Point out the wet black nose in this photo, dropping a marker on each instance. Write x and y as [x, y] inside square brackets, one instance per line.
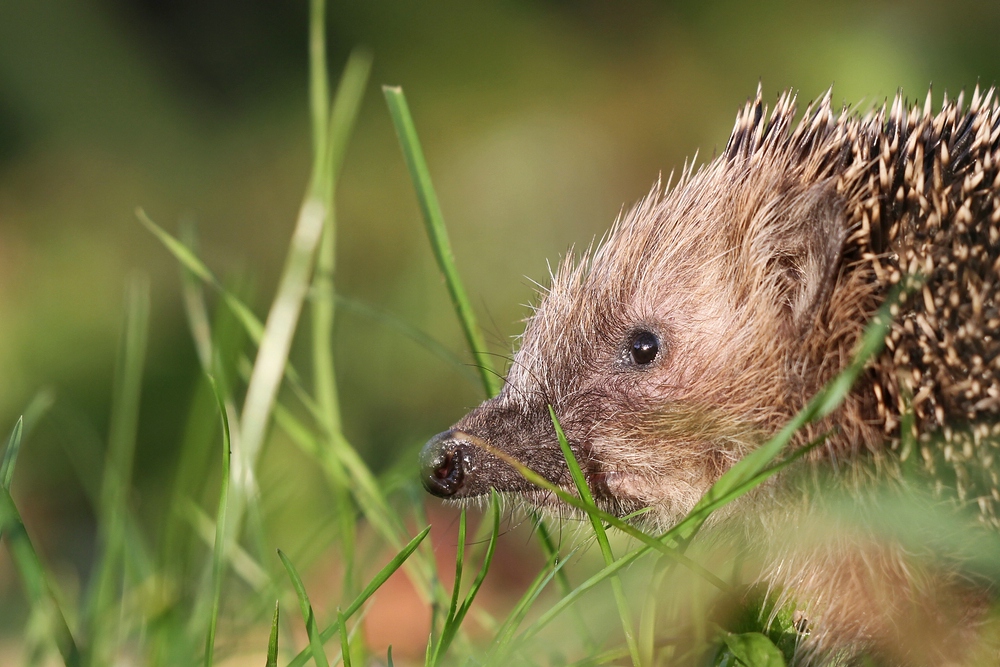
[444, 464]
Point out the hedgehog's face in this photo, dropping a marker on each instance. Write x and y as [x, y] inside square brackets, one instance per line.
[652, 362]
[622, 385]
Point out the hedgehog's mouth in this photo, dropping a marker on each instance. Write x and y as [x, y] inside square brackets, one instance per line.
[458, 466]
[604, 487]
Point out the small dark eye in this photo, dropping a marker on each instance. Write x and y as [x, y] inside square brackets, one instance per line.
[644, 347]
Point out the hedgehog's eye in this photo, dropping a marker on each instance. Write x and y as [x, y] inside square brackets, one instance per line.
[644, 347]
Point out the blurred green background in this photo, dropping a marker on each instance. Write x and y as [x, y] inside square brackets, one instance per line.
[540, 120]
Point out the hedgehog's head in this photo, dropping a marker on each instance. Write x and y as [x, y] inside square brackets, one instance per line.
[667, 352]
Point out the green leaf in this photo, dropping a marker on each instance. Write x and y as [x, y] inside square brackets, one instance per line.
[752, 649]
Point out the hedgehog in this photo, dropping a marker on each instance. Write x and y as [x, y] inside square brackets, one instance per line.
[712, 312]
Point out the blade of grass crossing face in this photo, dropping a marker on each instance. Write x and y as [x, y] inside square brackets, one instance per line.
[369, 590]
[218, 552]
[272, 642]
[574, 501]
[738, 480]
[583, 489]
[315, 642]
[438, 233]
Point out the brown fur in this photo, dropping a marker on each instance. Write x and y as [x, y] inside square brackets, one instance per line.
[759, 272]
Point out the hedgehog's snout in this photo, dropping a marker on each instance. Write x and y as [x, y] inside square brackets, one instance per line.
[445, 464]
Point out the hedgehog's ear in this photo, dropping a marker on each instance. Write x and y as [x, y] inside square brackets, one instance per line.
[808, 251]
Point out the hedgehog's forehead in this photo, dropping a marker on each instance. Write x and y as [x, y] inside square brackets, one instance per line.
[669, 239]
[669, 251]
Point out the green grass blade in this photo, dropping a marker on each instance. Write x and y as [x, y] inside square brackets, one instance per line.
[345, 645]
[366, 489]
[193, 263]
[332, 147]
[659, 544]
[438, 234]
[503, 635]
[441, 642]
[346, 105]
[459, 564]
[244, 565]
[551, 551]
[568, 600]
[407, 330]
[37, 583]
[457, 613]
[10, 454]
[342, 459]
[194, 305]
[218, 552]
[272, 354]
[590, 508]
[369, 590]
[341, 123]
[319, 91]
[487, 559]
[272, 642]
[117, 477]
[480, 577]
[745, 475]
[315, 642]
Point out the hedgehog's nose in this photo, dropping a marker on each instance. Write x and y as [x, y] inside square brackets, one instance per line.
[444, 464]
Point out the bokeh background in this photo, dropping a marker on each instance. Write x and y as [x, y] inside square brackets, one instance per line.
[540, 121]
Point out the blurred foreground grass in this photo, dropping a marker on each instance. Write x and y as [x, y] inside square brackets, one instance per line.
[197, 567]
